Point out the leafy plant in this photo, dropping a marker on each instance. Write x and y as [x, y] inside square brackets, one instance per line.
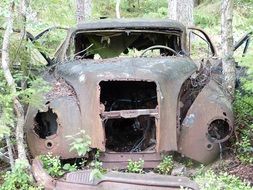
[19, 178]
[52, 165]
[97, 168]
[166, 166]
[69, 168]
[135, 166]
[81, 143]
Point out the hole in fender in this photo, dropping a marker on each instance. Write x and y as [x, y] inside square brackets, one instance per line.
[45, 124]
[219, 131]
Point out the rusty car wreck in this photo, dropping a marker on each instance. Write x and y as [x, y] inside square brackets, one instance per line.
[133, 87]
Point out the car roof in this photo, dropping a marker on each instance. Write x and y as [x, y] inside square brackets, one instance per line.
[104, 24]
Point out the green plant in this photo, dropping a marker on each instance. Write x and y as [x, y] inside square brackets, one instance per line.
[243, 111]
[188, 162]
[166, 166]
[207, 14]
[52, 165]
[19, 178]
[208, 180]
[244, 146]
[135, 166]
[97, 168]
[69, 168]
[80, 143]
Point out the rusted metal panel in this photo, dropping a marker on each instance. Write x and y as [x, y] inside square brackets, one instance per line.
[132, 24]
[57, 144]
[129, 113]
[168, 73]
[111, 180]
[210, 105]
[120, 160]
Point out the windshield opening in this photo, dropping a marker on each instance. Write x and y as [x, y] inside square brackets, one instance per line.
[109, 44]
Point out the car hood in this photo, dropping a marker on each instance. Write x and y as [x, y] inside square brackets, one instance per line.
[170, 68]
[168, 73]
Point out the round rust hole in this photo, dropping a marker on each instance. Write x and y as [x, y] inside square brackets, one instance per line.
[209, 146]
[49, 144]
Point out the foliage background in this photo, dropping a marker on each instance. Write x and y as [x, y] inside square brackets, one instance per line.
[46, 13]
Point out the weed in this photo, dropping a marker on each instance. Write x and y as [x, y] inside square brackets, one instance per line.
[135, 166]
[81, 143]
[97, 168]
[166, 166]
[69, 168]
[52, 165]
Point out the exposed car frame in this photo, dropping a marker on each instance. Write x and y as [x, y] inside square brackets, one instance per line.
[185, 106]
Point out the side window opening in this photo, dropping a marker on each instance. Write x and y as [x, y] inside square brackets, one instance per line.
[200, 45]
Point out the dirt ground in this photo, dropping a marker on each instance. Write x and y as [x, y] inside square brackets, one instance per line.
[233, 166]
[242, 171]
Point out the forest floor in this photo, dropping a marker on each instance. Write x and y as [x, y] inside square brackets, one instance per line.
[230, 164]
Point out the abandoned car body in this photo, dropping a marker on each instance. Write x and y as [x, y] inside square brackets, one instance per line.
[132, 86]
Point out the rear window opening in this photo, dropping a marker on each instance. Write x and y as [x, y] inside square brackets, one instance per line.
[130, 135]
[127, 95]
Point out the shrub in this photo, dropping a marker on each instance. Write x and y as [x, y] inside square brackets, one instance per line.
[19, 178]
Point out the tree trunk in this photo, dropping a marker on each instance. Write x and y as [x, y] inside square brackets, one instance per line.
[23, 7]
[117, 8]
[10, 153]
[23, 34]
[5, 49]
[181, 10]
[20, 130]
[172, 9]
[228, 62]
[83, 10]
[8, 76]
